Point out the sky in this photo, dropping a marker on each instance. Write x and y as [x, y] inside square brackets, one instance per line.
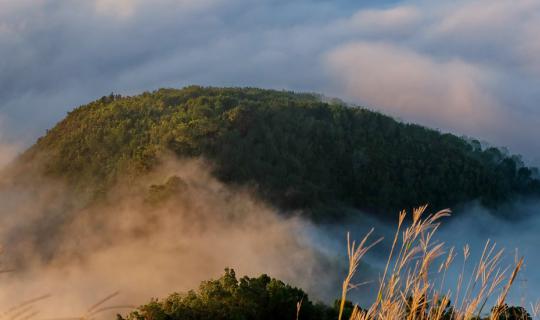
[469, 67]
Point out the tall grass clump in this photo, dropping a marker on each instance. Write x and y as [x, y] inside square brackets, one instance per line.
[412, 285]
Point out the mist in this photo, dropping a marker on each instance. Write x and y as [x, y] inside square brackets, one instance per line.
[76, 256]
[63, 256]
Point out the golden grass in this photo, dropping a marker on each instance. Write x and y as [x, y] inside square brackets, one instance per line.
[355, 256]
[24, 310]
[27, 310]
[408, 288]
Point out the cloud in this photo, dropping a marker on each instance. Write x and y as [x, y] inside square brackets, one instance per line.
[478, 60]
[67, 53]
[408, 84]
[394, 20]
[125, 9]
[80, 255]
[77, 256]
[469, 67]
[448, 94]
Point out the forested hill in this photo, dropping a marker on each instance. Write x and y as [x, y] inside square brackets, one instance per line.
[296, 150]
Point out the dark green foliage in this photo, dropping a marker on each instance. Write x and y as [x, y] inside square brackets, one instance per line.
[229, 298]
[347, 309]
[297, 151]
[512, 313]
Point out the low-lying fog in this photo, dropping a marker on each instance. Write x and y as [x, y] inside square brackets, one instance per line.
[61, 264]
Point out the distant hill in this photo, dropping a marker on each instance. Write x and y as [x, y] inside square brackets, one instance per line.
[296, 150]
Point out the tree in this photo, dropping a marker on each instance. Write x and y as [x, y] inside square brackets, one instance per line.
[229, 298]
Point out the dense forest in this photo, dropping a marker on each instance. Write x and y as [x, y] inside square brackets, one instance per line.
[298, 151]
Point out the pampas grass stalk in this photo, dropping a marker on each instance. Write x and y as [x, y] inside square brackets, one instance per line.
[355, 254]
[407, 288]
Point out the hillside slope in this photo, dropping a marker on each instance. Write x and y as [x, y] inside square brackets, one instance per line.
[297, 151]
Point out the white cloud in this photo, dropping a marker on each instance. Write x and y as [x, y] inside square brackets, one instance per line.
[449, 94]
[394, 19]
[128, 8]
[470, 67]
[477, 60]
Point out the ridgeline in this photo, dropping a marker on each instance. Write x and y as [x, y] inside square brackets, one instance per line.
[297, 150]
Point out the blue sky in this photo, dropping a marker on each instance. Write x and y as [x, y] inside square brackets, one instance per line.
[469, 67]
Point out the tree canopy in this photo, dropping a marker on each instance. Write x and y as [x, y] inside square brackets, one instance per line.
[297, 150]
[229, 298]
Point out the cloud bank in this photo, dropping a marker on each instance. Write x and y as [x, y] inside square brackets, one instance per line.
[469, 67]
[65, 258]
[77, 256]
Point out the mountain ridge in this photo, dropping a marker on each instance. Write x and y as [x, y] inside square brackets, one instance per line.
[296, 150]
